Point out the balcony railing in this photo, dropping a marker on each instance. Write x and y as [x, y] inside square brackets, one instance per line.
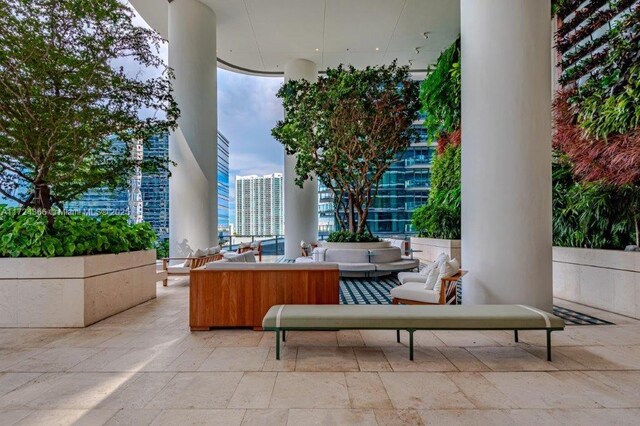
[417, 162]
[417, 184]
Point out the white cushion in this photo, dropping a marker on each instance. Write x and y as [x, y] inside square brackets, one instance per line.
[442, 257]
[318, 254]
[213, 250]
[244, 245]
[415, 291]
[199, 253]
[432, 279]
[449, 268]
[425, 271]
[405, 277]
[253, 245]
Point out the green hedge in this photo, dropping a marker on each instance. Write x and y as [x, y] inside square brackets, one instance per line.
[27, 235]
[352, 237]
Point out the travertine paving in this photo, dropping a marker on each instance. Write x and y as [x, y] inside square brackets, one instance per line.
[144, 366]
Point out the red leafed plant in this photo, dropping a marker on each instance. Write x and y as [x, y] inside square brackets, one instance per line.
[614, 160]
[454, 139]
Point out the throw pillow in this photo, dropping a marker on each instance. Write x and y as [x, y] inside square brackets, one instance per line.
[425, 271]
[432, 278]
[244, 245]
[442, 257]
[449, 268]
[199, 253]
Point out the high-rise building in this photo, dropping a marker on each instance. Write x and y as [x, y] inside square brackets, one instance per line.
[147, 197]
[259, 205]
[403, 188]
[223, 183]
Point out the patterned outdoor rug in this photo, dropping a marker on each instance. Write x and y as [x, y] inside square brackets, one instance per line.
[369, 291]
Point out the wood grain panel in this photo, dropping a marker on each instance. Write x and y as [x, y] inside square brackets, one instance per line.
[241, 298]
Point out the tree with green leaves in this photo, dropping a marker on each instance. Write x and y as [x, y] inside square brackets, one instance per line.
[70, 113]
[347, 129]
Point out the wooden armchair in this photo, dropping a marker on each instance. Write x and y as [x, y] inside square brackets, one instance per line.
[182, 269]
[448, 292]
[256, 250]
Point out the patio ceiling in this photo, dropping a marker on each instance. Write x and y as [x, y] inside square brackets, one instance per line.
[260, 36]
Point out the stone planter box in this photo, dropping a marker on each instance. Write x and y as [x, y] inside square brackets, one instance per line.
[355, 246]
[73, 291]
[430, 248]
[603, 279]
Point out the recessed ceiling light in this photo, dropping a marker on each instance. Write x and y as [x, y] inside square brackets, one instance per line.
[317, 50]
[377, 48]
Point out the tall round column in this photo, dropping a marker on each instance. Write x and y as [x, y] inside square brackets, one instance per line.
[193, 189]
[506, 152]
[300, 204]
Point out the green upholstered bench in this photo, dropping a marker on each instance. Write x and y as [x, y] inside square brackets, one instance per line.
[281, 318]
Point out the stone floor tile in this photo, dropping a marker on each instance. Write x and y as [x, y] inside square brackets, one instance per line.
[423, 391]
[312, 338]
[462, 359]
[604, 357]
[67, 417]
[310, 390]
[254, 390]
[84, 338]
[12, 381]
[100, 361]
[581, 417]
[500, 358]
[133, 417]
[326, 358]
[627, 382]
[482, 393]
[10, 357]
[268, 417]
[367, 391]
[533, 417]
[424, 359]
[466, 417]
[197, 390]
[190, 360]
[331, 417]
[609, 395]
[137, 391]
[350, 338]
[235, 359]
[539, 390]
[372, 359]
[398, 418]
[54, 359]
[199, 417]
[11, 417]
[287, 361]
[234, 338]
[465, 338]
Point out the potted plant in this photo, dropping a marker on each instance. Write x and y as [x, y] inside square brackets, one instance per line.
[70, 117]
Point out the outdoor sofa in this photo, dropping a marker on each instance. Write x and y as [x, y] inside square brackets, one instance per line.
[411, 318]
[363, 262]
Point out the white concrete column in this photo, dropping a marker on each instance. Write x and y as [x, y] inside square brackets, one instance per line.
[300, 204]
[506, 152]
[193, 188]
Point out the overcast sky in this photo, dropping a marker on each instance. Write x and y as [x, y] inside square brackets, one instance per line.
[247, 111]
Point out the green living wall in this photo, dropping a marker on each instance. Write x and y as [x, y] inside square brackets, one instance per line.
[596, 165]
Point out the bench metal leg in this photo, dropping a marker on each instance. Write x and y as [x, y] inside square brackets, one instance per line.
[410, 344]
[515, 335]
[548, 345]
[398, 336]
[284, 335]
[277, 344]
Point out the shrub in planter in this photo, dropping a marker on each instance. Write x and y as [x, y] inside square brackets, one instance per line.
[352, 237]
[28, 235]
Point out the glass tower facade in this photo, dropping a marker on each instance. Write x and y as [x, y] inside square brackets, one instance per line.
[223, 183]
[403, 188]
[147, 197]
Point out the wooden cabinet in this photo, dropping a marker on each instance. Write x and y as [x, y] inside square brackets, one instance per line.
[240, 298]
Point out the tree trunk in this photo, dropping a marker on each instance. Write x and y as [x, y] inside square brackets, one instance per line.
[42, 201]
[635, 222]
[351, 215]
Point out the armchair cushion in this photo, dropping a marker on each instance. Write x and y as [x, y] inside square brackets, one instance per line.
[415, 291]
